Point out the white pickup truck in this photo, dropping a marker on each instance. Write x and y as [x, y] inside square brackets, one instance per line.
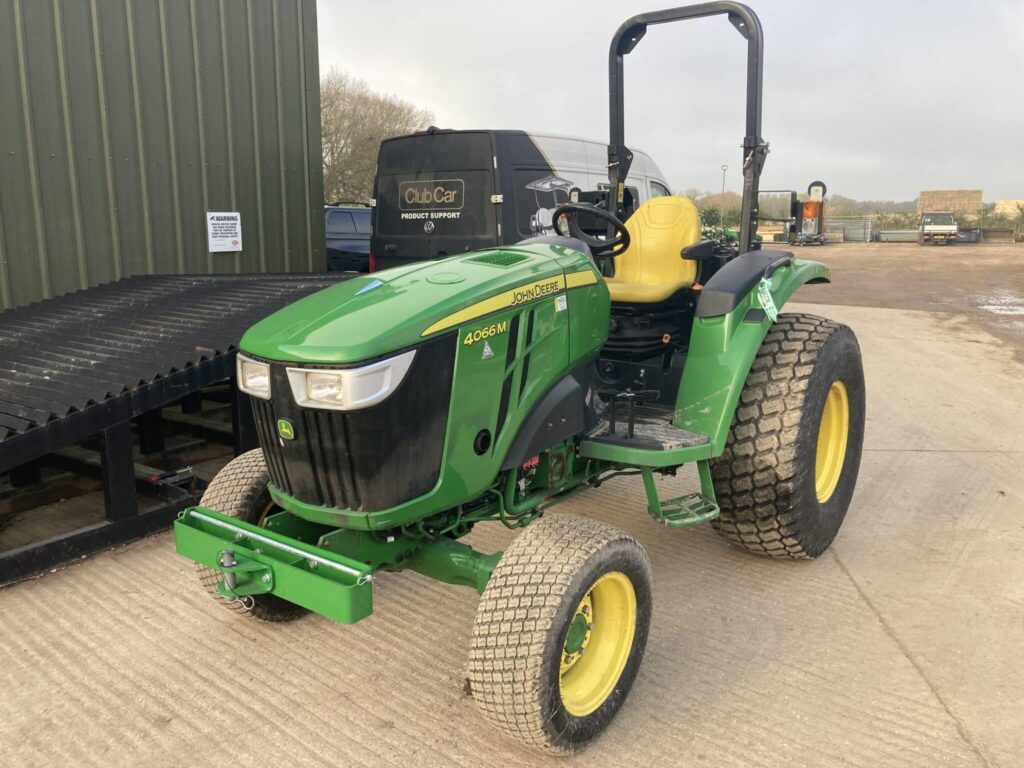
[937, 227]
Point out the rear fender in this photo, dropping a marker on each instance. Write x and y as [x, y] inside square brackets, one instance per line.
[723, 346]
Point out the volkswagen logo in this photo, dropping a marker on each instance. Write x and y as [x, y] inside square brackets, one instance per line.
[428, 226]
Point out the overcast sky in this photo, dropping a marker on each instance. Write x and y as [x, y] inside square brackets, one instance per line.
[878, 99]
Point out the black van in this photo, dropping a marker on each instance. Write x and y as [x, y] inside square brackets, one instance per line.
[439, 193]
[347, 230]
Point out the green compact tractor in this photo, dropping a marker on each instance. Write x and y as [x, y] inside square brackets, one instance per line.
[399, 410]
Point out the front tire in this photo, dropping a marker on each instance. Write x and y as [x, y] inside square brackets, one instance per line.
[787, 475]
[241, 490]
[560, 632]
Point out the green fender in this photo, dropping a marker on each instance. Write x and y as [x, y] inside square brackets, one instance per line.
[723, 348]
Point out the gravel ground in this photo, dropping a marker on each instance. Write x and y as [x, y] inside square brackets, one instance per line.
[985, 283]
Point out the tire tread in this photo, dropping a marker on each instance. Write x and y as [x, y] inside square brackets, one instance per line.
[515, 617]
[755, 475]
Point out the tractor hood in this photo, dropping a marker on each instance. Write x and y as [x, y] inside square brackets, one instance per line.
[379, 313]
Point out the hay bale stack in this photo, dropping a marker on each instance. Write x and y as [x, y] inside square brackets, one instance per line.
[957, 200]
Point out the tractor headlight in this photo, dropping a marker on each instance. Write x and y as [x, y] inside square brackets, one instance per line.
[349, 389]
[327, 388]
[253, 377]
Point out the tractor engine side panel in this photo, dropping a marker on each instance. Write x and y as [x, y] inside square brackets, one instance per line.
[499, 379]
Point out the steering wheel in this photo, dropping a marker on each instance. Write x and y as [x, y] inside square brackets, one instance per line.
[609, 248]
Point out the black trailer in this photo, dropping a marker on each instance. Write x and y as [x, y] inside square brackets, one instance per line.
[84, 378]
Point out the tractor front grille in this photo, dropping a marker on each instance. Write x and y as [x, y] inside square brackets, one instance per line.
[365, 460]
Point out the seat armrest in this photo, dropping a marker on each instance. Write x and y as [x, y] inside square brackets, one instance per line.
[702, 250]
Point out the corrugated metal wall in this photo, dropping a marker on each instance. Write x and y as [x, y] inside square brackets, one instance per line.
[123, 121]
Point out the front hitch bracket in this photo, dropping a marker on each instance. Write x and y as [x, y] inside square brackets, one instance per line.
[257, 561]
[243, 576]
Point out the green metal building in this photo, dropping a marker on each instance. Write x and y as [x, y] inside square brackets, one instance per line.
[123, 122]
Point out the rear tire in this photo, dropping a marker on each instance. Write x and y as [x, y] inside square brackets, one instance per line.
[786, 477]
[560, 632]
[241, 490]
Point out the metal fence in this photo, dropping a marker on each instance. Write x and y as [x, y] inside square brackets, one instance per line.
[122, 124]
[898, 236]
[854, 230]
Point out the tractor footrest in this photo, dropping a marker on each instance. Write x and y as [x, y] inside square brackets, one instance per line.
[652, 436]
[654, 442]
[684, 511]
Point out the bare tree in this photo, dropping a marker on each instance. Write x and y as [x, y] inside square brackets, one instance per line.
[354, 120]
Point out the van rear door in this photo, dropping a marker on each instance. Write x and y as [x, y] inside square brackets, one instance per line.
[433, 197]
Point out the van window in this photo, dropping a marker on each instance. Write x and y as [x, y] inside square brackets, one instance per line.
[362, 221]
[659, 190]
[340, 223]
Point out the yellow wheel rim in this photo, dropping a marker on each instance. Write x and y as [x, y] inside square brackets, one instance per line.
[597, 644]
[832, 435]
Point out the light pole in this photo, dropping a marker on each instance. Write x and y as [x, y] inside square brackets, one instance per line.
[721, 200]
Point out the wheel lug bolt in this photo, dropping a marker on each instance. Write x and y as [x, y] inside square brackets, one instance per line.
[568, 658]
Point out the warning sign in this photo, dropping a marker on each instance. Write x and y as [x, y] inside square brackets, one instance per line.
[224, 231]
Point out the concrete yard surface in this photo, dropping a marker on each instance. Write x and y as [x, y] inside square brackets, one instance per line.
[901, 646]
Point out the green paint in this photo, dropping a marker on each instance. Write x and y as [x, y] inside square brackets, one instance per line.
[721, 352]
[645, 457]
[375, 551]
[722, 349]
[683, 511]
[288, 525]
[576, 635]
[341, 324]
[372, 315]
[322, 558]
[306, 575]
[275, 563]
[453, 562]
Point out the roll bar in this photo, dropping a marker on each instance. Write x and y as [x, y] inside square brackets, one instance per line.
[754, 147]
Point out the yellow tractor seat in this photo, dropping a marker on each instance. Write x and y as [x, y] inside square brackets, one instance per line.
[651, 270]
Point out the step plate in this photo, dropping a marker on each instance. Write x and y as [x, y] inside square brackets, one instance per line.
[652, 431]
[682, 512]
